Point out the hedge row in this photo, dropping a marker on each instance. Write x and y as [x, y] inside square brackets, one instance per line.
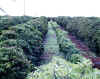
[85, 28]
[65, 44]
[6, 21]
[21, 47]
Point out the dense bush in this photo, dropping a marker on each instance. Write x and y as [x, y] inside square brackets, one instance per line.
[59, 68]
[6, 21]
[13, 63]
[85, 28]
[20, 48]
[40, 24]
[76, 58]
[65, 44]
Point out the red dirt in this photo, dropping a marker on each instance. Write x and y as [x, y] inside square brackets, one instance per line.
[80, 45]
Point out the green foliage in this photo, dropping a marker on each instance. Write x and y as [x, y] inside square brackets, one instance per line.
[6, 21]
[20, 48]
[59, 68]
[22, 45]
[75, 58]
[65, 44]
[40, 24]
[13, 63]
[85, 28]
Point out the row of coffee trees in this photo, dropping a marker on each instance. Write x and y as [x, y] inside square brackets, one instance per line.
[66, 62]
[6, 21]
[21, 46]
[85, 28]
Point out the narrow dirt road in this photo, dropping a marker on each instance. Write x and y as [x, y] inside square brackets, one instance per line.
[51, 47]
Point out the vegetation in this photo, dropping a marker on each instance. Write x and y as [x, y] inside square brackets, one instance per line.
[21, 47]
[65, 44]
[77, 67]
[6, 21]
[59, 68]
[85, 28]
[39, 47]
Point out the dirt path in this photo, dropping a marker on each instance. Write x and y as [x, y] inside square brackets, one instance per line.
[51, 46]
[80, 45]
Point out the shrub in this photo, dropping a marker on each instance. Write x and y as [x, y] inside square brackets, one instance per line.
[76, 58]
[65, 44]
[13, 63]
[7, 21]
[20, 49]
[85, 28]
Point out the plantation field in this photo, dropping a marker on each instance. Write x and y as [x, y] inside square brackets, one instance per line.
[42, 48]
